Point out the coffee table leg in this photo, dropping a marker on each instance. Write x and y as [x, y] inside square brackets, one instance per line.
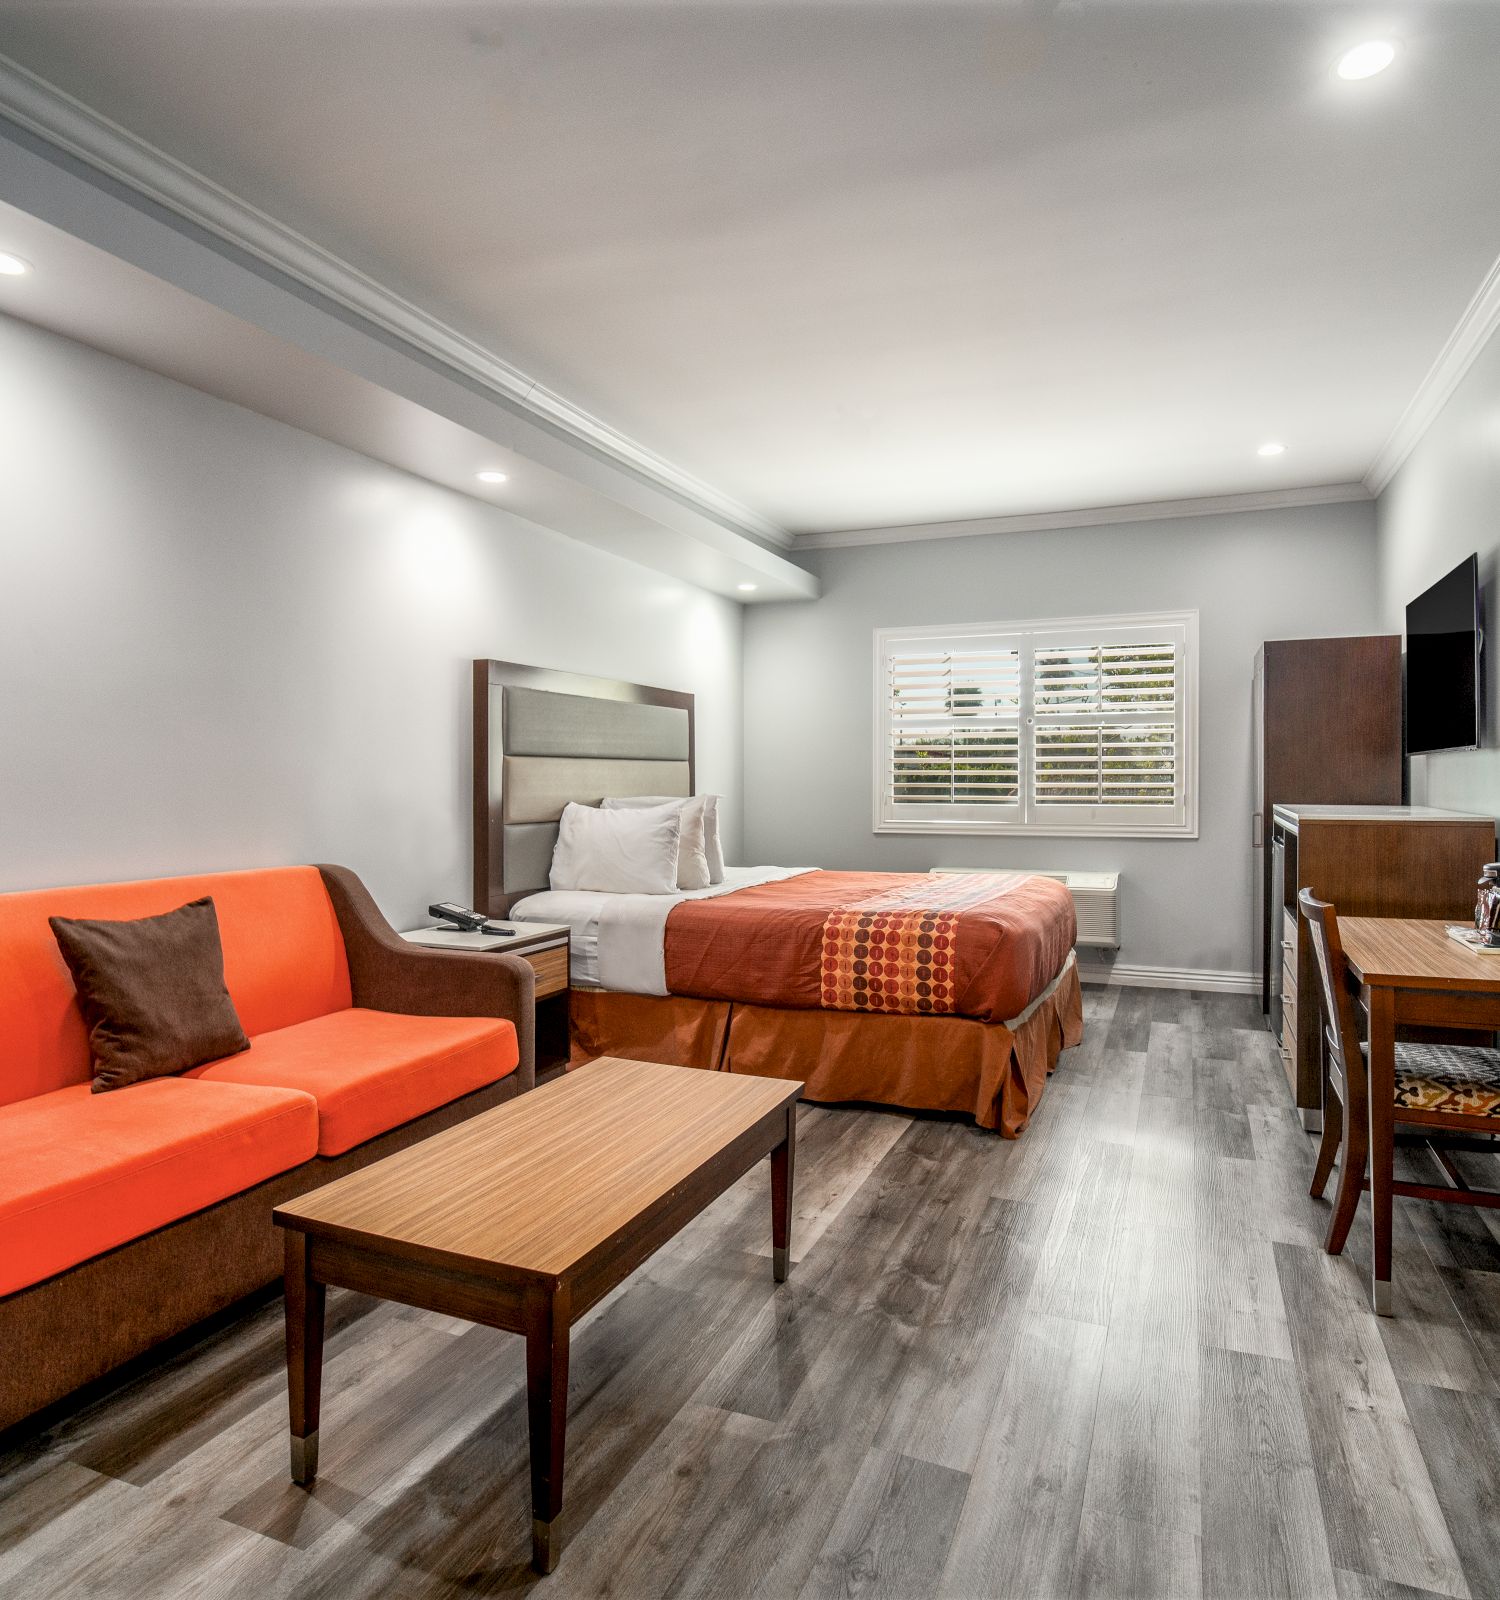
[783, 1160]
[547, 1327]
[305, 1298]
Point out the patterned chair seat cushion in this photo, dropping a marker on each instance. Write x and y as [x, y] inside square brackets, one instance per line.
[1457, 1079]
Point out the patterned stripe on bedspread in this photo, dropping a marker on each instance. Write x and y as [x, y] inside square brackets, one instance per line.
[898, 951]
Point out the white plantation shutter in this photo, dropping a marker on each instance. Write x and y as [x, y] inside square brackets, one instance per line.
[1081, 763]
[1079, 727]
[1104, 725]
[952, 727]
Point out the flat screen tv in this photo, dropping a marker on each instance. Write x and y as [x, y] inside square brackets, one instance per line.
[1442, 663]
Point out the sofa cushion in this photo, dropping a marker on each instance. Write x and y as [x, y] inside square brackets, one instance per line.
[84, 1172]
[370, 1071]
[152, 992]
[284, 962]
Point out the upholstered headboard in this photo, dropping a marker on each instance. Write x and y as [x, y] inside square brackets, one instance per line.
[543, 738]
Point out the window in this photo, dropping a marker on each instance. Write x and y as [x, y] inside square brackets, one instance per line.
[1084, 726]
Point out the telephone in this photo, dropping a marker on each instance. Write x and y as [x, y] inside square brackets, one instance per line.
[467, 921]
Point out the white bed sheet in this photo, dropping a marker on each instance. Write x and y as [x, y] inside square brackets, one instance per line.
[580, 911]
[618, 941]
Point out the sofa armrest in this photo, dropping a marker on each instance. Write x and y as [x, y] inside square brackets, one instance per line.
[388, 974]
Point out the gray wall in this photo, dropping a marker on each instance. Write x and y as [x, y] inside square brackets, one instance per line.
[225, 643]
[1252, 576]
[1443, 505]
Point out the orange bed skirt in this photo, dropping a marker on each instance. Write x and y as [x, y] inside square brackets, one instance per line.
[991, 1072]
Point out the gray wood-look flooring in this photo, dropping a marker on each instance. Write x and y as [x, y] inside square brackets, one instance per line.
[1110, 1359]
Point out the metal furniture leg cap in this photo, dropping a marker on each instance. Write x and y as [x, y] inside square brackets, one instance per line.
[779, 1262]
[1380, 1296]
[305, 1458]
[546, 1544]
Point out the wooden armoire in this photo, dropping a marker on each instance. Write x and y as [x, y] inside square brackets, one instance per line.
[1327, 732]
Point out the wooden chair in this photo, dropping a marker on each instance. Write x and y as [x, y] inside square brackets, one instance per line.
[1448, 1087]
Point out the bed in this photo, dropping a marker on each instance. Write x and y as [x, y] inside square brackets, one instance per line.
[928, 992]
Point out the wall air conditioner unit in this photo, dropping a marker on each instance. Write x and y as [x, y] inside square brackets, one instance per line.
[1096, 899]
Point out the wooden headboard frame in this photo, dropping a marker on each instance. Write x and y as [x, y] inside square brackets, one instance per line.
[633, 752]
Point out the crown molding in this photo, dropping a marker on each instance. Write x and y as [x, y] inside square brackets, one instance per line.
[69, 125]
[1092, 517]
[1475, 327]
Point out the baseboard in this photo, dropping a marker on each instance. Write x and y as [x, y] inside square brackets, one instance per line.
[1127, 976]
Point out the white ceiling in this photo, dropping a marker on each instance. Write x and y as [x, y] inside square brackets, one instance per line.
[871, 264]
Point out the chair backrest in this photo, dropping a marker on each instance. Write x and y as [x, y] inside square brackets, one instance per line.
[284, 962]
[1340, 1018]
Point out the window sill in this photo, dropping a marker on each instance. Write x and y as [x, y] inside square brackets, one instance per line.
[1034, 831]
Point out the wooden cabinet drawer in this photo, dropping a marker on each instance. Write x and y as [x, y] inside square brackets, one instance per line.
[1289, 938]
[551, 968]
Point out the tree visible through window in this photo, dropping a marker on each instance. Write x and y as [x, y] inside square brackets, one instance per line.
[955, 718]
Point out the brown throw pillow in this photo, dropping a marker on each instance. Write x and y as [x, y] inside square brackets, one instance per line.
[152, 993]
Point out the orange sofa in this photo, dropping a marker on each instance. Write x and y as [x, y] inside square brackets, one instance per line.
[127, 1217]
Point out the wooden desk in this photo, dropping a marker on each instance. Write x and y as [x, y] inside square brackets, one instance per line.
[1408, 972]
[525, 1216]
[1370, 861]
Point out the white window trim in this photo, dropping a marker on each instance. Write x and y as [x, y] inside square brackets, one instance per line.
[1187, 828]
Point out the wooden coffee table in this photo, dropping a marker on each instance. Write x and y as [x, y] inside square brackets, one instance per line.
[525, 1216]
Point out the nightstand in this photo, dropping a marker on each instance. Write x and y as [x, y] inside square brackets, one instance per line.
[547, 946]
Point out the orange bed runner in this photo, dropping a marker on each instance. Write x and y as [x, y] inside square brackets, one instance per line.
[892, 942]
[993, 1073]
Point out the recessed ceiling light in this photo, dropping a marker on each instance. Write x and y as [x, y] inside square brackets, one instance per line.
[1273, 448]
[491, 475]
[747, 588]
[13, 266]
[1366, 59]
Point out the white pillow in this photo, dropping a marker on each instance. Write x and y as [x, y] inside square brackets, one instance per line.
[712, 845]
[694, 869]
[617, 852]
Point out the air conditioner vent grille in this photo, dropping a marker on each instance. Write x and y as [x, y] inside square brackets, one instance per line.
[1096, 899]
